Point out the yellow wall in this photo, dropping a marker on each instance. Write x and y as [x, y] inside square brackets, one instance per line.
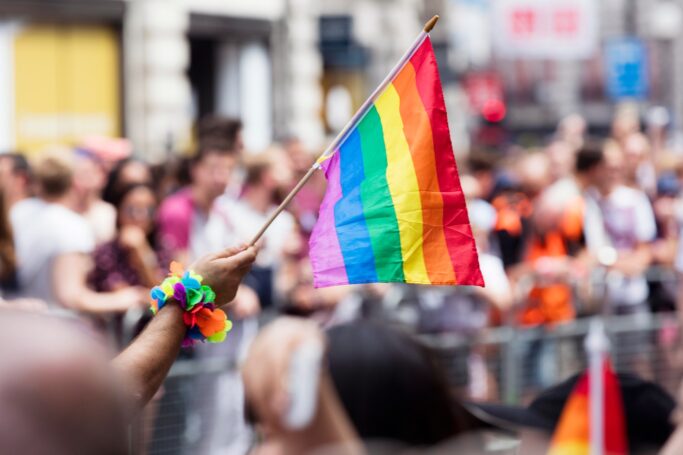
[66, 81]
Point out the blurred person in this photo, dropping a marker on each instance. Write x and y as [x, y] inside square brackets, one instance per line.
[126, 172]
[60, 395]
[482, 167]
[572, 130]
[223, 130]
[54, 244]
[639, 167]
[250, 212]
[561, 158]
[397, 396]
[132, 258]
[290, 396]
[89, 179]
[191, 224]
[626, 122]
[647, 411]
[15, 178]
[665, 246]
[8, 260]
[514, 201]
[619, 227]
[304, 207]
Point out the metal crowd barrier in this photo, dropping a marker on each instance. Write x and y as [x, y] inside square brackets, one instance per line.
[505, 364]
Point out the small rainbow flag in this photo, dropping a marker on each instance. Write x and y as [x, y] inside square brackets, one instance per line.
[572, 435]
[394, 210]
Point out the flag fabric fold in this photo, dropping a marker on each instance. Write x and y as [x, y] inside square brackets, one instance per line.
[394, 210]
[572, 434]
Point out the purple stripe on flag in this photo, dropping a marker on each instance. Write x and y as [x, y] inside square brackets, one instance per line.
[325, 253]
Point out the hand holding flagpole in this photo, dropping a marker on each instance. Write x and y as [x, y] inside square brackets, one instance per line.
[349, 126]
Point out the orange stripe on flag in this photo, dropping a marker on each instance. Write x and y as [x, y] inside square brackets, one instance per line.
[418, 132]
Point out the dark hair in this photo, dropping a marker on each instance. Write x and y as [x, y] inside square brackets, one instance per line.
[391, 386]
[480, 161]
[8, 265]
[254, 172]
[113, 185]
[217, 133]
[590, 155]
[19, 162]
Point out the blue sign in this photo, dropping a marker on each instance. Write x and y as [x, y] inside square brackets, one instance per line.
[626, 69]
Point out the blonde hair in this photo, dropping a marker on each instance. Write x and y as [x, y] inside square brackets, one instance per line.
[54, 173]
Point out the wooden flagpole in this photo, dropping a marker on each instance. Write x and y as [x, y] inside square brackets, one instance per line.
[349, 126]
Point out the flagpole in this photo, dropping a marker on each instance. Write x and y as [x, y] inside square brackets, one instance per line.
[596, 345]
[349, 126]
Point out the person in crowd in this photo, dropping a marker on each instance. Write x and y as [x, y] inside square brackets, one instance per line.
[8, 260]
[89, 179]
[127, 172]
[132, 257]
[54, 244]
[397, 396]
[15, 178]
[290, 395]
[648, 412]
[639, 167]
[572, 130]
[619, 226]
[87, 404]
[252, 209]
[190, 223]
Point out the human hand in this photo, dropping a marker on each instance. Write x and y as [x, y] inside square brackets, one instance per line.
[132, 237]
[131, 297]
[224, 271]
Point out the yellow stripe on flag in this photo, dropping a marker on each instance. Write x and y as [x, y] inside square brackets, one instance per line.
[403, 186]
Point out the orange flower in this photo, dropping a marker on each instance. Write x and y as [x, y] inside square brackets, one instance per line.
[211, 322]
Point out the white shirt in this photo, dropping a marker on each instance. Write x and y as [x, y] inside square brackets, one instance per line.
[42, 232]
[622, 220]
[247, 221]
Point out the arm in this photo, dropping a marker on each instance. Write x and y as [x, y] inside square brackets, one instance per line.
[145, 363]
[69, 275]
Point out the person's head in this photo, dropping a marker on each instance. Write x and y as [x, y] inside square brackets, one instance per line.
[392, 387]
[211, 169]
[636, 150]
[533, 172]
[59, 395]
[600, 164]
[626, 122]
[561, 156]
[258, 175]
[220, 132]
[15, 177]
[647, 413]
[7, 256]
[482, 166]
[129, 171]
[136, 205]
[54, 175]
[89, 177]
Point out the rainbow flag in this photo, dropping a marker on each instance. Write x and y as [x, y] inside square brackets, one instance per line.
[572, 435]
[394, 210]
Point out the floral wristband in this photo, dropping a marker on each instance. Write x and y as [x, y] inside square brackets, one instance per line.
[203, 320]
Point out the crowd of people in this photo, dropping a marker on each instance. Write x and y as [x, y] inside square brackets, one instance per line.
[575, 228]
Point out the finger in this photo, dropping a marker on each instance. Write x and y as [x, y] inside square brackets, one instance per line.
[243, 258]
[231, 251]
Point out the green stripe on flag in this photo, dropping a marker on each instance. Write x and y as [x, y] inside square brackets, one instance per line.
[378, 207]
